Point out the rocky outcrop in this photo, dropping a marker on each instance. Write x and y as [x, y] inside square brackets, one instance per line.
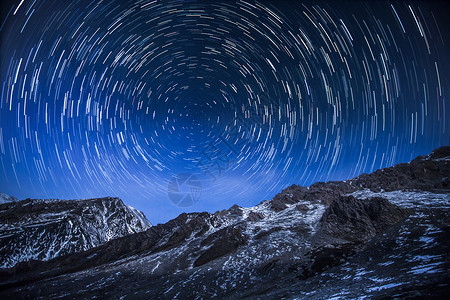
[357, 220]
[220, 243]
[323, 192]
[346, 224]
[428, 172]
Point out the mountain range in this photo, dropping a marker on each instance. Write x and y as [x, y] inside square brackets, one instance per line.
[38, 229]
[384, 234]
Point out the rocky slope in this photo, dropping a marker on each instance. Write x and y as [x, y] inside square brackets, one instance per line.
[37, 229]
[380, 234]
[428, 172]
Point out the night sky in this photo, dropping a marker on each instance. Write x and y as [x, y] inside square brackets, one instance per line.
[237, 100]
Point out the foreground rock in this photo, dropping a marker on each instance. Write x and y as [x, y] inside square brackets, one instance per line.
[359, 220]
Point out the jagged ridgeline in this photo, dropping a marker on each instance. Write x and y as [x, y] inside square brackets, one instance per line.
[383, 234]
[38, 229]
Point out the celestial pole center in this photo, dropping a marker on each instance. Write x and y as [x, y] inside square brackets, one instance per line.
[118, 98]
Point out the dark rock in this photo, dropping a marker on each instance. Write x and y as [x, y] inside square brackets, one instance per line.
[254, 216]
[422, 173]
[302, 207]
[441, 152]
[196, 224]
[280, 200]
[324, 258]
[319, 192]
[358, 220]
[221, 243]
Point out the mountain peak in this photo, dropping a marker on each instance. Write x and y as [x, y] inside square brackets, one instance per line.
[46, 228]
[6, 198]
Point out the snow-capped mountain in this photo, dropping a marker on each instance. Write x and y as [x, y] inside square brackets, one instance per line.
[6, 198]
[38, 229]
[383, 234]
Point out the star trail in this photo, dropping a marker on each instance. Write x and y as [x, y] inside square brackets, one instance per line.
[118, 98]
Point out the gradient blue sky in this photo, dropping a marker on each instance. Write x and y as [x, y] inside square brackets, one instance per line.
[117, 98]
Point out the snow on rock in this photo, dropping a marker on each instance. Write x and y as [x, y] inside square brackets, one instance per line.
[6, 198]
[41, 229]
[408, 199]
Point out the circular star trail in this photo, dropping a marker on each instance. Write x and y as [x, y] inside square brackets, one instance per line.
[121, 97]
